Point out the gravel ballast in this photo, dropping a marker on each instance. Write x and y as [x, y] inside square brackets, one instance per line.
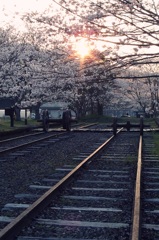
[18, 173]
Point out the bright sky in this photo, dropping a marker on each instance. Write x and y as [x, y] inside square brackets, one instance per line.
[11, 10]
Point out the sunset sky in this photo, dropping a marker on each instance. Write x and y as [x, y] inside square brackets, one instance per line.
[11, 10]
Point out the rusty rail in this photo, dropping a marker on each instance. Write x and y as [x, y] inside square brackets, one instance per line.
[20, 221]
[137, 199]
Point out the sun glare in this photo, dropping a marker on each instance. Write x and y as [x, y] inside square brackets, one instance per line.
[82, 48]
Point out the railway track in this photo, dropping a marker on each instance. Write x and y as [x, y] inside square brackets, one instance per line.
[150, 191]
[95, 198]
[19, 142]
[111, 183]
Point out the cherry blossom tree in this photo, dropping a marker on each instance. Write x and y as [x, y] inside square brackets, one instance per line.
[140, 88]
[43, 64]
[69, 74]
[129, 29]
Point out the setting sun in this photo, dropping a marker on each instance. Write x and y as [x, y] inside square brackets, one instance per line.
[82, 48]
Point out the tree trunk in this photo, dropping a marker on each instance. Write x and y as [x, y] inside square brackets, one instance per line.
[17, 114]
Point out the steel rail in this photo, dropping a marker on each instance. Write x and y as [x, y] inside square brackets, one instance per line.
[27, 135]
[136, 211]
[29, 143]
[40, 133]
[35, 141]
[15, 225]
[88, 125]
[20, 137]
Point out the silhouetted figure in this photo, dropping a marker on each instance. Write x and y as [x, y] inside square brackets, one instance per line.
[66, 118]
[128, 125]
[114, 126]
[45, 120]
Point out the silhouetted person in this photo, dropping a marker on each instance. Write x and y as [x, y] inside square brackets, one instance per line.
[66, 119]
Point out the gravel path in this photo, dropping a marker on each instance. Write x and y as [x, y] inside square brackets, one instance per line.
[17, 174]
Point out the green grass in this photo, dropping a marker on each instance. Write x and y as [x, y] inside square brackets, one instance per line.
[97, 118]
[5, 124]
[108, 119]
